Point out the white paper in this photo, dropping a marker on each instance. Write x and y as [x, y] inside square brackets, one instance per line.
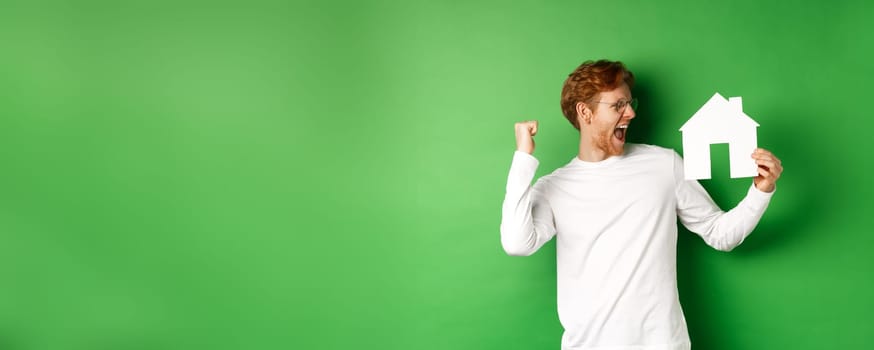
[718, 121]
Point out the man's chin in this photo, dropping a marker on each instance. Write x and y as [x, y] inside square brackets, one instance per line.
[612, 146]
[617, 147]
[617, 151]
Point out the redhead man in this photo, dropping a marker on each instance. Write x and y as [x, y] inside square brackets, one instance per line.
[613, 210]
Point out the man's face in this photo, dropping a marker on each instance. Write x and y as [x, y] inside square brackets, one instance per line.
[610, 119]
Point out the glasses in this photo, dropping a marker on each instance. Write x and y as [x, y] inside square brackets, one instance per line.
[619, 106]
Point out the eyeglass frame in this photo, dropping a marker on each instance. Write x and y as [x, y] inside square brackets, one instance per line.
[625, 103]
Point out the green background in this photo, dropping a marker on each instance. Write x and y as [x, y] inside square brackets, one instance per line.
[329, 175]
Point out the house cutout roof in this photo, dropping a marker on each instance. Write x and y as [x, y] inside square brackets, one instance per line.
[719, 113]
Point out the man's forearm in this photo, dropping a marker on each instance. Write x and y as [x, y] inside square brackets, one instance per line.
[519, 235]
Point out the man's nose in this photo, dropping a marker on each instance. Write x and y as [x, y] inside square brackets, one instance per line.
[629, 112]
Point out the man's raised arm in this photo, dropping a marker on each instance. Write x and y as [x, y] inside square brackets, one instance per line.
[526, 218]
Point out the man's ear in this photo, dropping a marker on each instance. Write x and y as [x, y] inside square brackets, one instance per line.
[584, 114]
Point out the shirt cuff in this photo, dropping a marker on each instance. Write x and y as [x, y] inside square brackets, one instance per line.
[759, 198]
[521, 171]
[525, 159]
[757, 191]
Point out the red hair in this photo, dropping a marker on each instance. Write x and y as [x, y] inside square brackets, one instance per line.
[589, 79]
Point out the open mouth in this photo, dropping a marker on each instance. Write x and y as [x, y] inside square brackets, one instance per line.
[620, 132]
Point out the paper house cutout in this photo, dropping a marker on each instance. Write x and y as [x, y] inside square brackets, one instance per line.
[719, 121]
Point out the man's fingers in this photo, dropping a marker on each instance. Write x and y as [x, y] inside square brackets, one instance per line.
[763, 151]
[773, 164]
[764, 154]
[769, 174]
[530, 126]
[770, 168]
[770, 163]
[525, 132]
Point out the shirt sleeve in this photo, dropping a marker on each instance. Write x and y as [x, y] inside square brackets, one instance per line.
[526, 217]
[699, 213]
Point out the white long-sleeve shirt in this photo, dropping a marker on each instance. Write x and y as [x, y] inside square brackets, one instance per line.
[616, 240]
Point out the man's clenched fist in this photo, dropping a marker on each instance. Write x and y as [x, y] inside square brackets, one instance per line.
[525, 132]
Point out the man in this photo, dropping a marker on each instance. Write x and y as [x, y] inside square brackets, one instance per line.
[613, 211]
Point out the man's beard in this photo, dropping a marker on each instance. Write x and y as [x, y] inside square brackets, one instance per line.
[605, 143]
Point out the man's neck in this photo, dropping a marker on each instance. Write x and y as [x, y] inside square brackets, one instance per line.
[589, 152]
